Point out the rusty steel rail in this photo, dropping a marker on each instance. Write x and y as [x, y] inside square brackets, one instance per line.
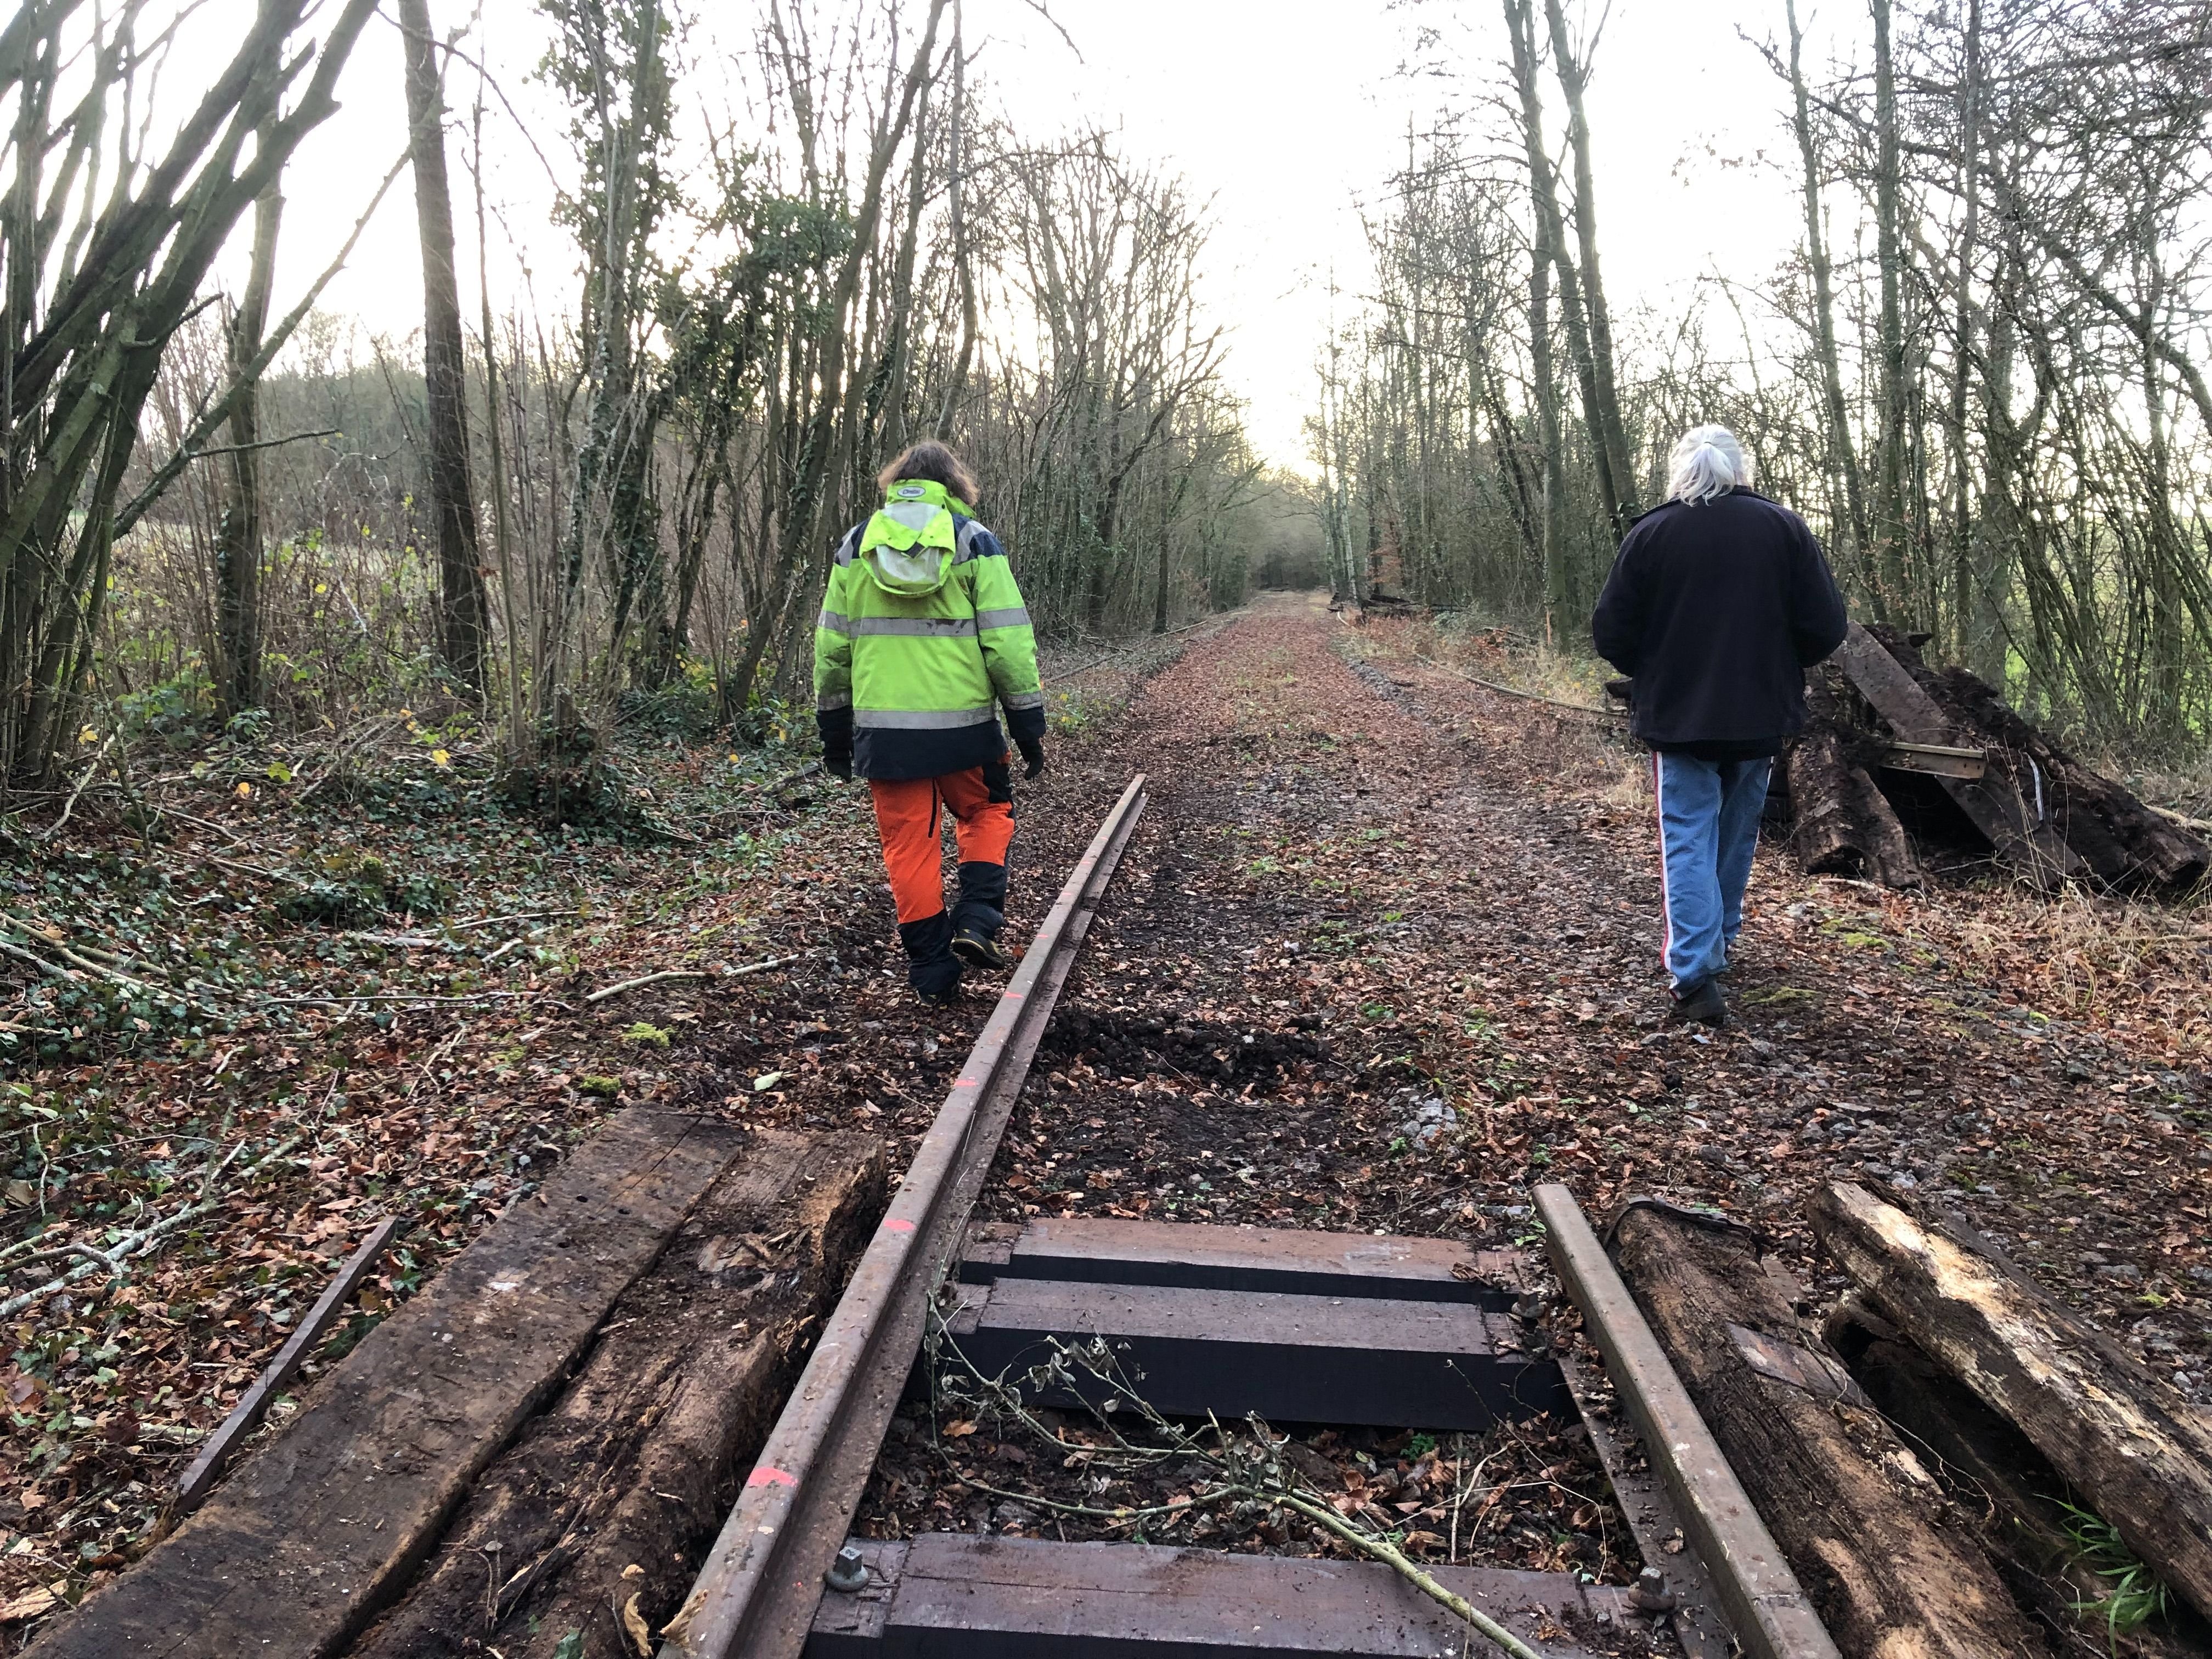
[756, 1596]
[1764, 1604]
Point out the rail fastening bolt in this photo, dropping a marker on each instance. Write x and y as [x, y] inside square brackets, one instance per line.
[1651, 1594]
[848, 1573]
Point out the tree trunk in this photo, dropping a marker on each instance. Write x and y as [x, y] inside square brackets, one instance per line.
[1550, 228]
[496, 447]
[1890, 580]
[609, 311]
[962, 259]
[1964, 605]
[237, 540]
[803, 510]
[2001, 526]
[1851, 1507]
[1838, 412]
[463, 614]
[1608, 434]
[1542, 258]
[2101, 1420]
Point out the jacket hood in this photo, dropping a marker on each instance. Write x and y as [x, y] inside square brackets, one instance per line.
[907, 547]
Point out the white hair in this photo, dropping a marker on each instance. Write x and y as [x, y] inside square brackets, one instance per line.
[1707, 462]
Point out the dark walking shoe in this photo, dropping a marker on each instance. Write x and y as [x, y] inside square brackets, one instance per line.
[979, 950]
[1700, 1005]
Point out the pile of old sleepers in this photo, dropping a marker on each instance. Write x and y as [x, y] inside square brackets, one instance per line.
[1888, 732]
[1949, 1463]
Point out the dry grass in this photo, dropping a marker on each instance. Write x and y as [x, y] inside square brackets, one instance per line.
[2139, 967]
[1496, 652]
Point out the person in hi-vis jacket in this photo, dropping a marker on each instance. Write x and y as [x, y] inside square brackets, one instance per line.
[922, 638]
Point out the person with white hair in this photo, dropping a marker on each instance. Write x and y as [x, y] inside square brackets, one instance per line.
[1718, 602]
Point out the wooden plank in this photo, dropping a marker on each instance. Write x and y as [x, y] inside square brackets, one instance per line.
[199, 1480]
[2101, 1420]
[1291, 1359]
[1917, 718]
[625, 1477]
[1765, 1605]
[1841, 822]
[1896, 695]
[948, 1595]
[293, 1554]
[2006, 1490]
[1212, 1258]
[1852, 1506]
[2116, 835]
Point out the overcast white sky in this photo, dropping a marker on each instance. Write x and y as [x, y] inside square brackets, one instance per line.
[1289, 115]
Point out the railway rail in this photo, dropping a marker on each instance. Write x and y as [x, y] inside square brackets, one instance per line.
[757, 1592]
[1283, 1325]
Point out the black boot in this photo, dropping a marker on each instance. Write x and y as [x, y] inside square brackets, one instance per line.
[932, 968]
[980, 914]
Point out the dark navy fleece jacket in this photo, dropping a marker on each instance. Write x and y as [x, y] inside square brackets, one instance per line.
[1716, 611]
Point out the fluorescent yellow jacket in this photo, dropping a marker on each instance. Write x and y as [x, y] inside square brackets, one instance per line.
[922, 635]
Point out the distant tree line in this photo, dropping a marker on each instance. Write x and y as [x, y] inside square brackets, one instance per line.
[210, 511]
[1980, 375]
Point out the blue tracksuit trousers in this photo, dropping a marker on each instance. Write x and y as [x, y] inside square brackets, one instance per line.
[1708, 830]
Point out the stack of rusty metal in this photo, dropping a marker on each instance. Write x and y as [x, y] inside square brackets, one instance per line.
[1897, 751]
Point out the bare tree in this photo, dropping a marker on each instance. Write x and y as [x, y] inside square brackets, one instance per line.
[464, 611]
[239, 550]
[96, 288]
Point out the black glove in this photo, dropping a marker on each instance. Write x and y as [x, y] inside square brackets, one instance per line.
[839, 767]
[1033, 752]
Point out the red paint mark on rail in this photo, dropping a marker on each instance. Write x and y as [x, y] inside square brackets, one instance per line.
[763, 1475]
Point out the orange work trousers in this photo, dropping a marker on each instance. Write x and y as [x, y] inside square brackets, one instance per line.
[907, 821]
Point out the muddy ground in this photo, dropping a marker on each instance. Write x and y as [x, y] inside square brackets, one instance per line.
[1384, 951]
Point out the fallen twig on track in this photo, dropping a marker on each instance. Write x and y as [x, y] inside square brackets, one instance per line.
[1250, 1468]
[1390, 1554]
[687, 972]
[1527, 696]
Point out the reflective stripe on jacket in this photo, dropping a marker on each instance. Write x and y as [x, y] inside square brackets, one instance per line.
[922, 635]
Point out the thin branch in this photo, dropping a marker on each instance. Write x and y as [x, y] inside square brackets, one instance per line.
[90, 772]
[265, 443]
[140, 1244]
[1390, 1555]
[617, 988]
